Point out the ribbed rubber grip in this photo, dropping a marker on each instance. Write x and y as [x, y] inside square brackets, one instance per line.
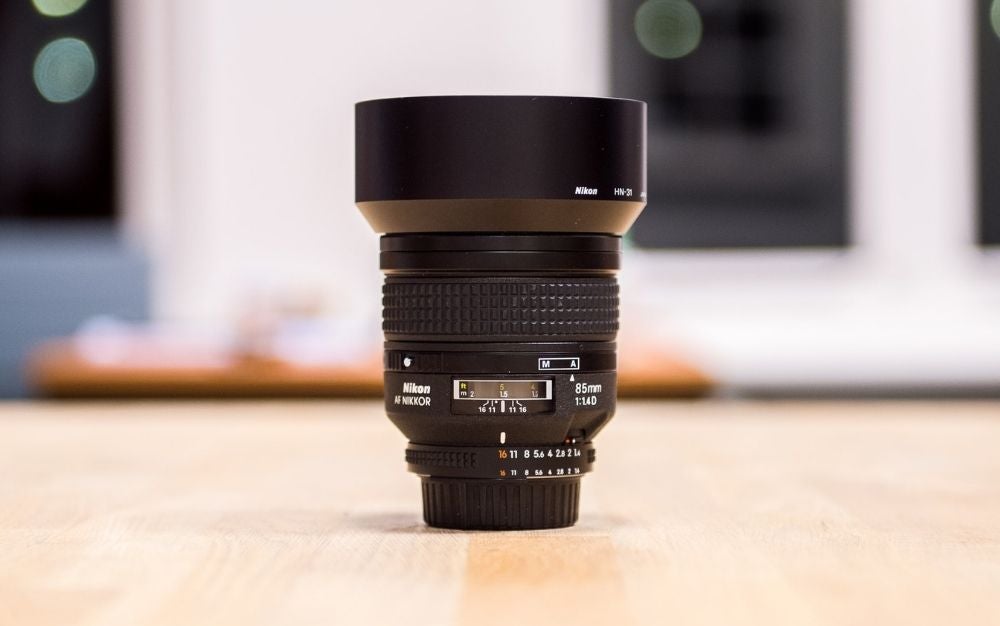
[477, 504]
[509, 309]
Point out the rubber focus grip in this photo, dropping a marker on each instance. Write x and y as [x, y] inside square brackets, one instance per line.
[495, 504]
[510, 309]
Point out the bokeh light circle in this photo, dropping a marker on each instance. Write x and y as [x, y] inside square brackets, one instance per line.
[995, 17]
[64, 70]
[58, 8]
[669, 29]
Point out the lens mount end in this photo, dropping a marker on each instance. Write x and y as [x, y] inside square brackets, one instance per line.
[487, 504]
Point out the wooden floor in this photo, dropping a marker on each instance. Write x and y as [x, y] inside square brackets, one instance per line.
[301, 513]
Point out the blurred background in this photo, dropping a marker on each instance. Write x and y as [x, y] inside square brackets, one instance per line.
[176, 187]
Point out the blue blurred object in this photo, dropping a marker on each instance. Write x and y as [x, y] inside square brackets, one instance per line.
[52, 278]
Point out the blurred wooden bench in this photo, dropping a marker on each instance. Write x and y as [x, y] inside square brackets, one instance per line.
[58, 369]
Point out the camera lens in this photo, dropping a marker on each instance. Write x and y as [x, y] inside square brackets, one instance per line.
[502, 219]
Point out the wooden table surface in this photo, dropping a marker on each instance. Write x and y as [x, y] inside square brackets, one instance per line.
[697, 513]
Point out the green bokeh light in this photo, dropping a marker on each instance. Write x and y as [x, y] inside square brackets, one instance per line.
[64, 70]
[58, 8]
[669, 29]
[995, 17]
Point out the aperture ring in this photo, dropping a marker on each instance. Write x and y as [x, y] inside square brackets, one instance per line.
[503, 462]
[507, 309]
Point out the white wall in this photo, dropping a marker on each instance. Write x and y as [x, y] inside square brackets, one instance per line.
[239, 172]
[240, 126]
[914, 303]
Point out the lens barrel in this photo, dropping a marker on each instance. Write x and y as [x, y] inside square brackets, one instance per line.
[500, 302]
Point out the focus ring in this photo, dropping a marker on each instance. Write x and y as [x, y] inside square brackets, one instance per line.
[508, 309]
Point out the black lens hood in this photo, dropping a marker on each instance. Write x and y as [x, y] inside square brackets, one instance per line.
[500, 164]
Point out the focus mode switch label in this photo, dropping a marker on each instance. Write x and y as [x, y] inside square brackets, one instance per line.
[562, 363]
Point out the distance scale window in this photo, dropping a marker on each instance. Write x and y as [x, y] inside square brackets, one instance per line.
[494, 396]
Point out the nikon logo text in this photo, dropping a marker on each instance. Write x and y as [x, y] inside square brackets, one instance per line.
[586, 191]
[415, 388]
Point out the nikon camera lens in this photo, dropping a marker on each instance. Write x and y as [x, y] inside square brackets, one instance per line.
[502, 219]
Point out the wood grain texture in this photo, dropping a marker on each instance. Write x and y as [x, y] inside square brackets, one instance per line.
[697, 513]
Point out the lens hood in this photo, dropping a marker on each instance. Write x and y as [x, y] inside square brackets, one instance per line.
[500, 164]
